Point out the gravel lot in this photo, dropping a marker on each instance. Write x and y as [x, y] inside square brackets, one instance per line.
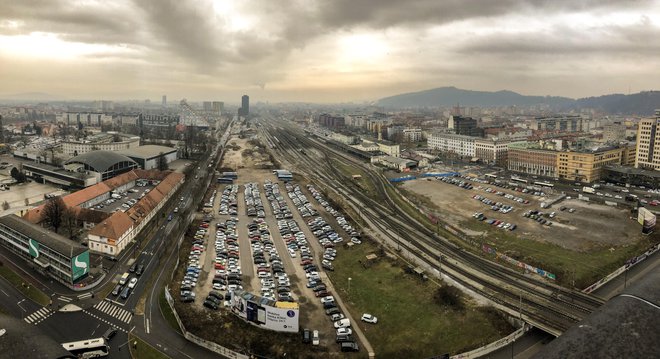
[589, 227]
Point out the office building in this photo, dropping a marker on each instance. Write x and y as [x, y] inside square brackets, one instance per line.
[461, 145]
[164, 103]
[587, 166]
[331, 121]
[492, 151]
[614, 132]
[563, 123]
[648, 137]
[575, 166]
[466, 126]
[218, 107]
[245, 106]
[47, 252]
[207, 106]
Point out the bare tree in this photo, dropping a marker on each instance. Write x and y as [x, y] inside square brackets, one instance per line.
[162, 162]
[70, 224]
[5, 205]
[54, 212]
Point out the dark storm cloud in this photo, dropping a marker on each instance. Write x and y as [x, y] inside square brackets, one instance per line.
[389, 13]
[187, 29]
[87, 23]
[637, 40]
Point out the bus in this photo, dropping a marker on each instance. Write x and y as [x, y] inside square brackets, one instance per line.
[544, 184]
[88, 348]
[490, 175]
[518, 179]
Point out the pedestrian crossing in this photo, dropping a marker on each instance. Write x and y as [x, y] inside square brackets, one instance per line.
[38, 316]
[114, 311]
[64, 299]
[83, 296]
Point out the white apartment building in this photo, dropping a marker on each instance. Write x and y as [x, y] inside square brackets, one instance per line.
[88, 119]
[448, 142]
[412, 134]
[102, 141]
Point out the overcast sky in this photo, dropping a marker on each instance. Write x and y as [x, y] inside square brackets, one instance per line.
[325, 50]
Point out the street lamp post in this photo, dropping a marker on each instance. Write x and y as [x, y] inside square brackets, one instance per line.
[349, 284]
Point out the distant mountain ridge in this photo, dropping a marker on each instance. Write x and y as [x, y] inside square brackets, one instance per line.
[643, 103]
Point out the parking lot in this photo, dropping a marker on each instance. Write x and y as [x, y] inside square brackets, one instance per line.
[268, 238]
[579, 226]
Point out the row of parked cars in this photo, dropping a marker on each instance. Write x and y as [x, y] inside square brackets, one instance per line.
[538, 217]
[254, 205]
[506, 195]
[278, 204]
[495, 222]
[194, 268]
[269, 265]
[228, 201]
[300, 201]
[343, 223]
[456, 181]
[495, 206]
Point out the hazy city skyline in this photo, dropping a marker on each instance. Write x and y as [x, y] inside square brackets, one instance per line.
[325, 51]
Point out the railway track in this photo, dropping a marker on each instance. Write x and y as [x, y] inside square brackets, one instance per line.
[545, 305]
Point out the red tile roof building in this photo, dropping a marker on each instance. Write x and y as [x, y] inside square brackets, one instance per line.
[113, 232]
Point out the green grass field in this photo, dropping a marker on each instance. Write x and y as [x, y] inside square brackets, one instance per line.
[348, 171]
[410, 323]
[142, 350]
[584, 268]
[29, 291]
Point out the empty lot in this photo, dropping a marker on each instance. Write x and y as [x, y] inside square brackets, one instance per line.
[590, 226]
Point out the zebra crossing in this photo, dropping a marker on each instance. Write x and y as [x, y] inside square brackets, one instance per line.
[114, 311]
[38, 316]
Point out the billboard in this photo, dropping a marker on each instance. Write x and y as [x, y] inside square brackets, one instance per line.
[268, 314]
[79, 265]
[646, 219]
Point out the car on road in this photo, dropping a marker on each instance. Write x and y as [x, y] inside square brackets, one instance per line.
[139, 270]
[369, 318]
[125, 293]
[110, 333]
[117, 290]
[132, 283]
[132, 268]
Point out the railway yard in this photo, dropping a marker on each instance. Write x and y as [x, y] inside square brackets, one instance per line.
[300, 242]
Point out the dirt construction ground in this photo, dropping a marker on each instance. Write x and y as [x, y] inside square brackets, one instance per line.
[590, 226]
